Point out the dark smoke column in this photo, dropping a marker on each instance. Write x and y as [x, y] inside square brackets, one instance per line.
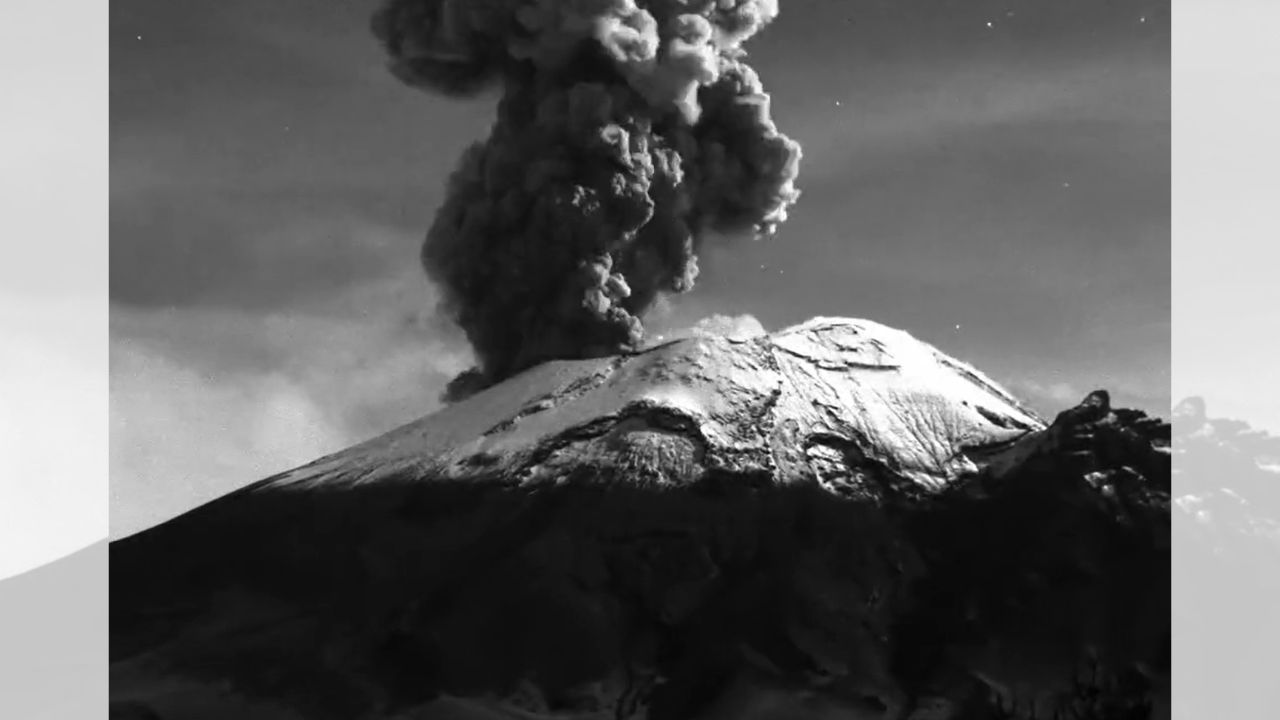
[626, 130]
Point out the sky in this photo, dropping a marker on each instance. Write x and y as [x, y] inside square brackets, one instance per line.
[53, 284]
[993, 177]
[1224, 340]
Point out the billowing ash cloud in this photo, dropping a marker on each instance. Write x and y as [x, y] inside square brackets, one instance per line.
[627, 129]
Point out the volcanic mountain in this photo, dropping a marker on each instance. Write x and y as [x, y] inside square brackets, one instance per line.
[832, 521]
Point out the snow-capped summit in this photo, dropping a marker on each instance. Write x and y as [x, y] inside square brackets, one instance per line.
[757, 404]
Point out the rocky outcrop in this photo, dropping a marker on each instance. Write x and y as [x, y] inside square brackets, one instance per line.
[833, 521]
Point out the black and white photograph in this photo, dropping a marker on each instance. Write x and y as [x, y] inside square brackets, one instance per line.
[640, 360]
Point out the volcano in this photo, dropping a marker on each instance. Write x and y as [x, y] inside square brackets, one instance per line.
[832, 521]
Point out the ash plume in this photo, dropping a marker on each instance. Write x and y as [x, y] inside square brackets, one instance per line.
[627, 130]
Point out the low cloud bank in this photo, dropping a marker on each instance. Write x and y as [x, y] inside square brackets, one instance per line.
[207, 400]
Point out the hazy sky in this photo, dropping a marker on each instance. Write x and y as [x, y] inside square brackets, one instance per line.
[990, 176]
[53, 284]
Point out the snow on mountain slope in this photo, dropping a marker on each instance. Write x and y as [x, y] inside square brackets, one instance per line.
[897, 399]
